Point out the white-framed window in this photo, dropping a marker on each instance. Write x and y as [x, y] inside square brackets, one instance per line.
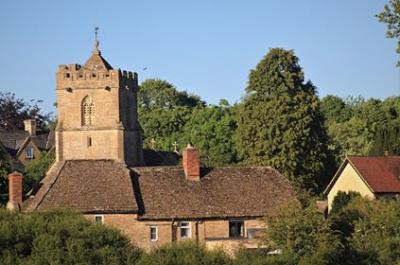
[185, 230]
[29, 153]
[153, 233]
[255, 233]
[236, 228]
[99, 219]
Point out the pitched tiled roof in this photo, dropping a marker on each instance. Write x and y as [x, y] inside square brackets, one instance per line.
[89, 186]
[164, 192]
[160, 158]
[12, 140]
[381, 173]
[97, 62]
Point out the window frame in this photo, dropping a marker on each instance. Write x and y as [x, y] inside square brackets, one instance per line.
[187, 226]
[156, 233]
[101, 218]
[29, 153]
[242, 231]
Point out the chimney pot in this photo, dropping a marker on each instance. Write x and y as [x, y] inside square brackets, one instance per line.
[191, 163]
[30, 126]
[15, 181]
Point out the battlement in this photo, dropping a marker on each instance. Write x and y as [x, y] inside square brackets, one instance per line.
[75, 72]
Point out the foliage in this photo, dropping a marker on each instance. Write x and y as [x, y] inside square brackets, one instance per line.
[362, 127]
[260, 257]
[280, 123]
[294, 229]
[156, 93]
[170, 119]
[391, 17]
[60, 238]
[185, 253]
[13, 112]
[36, 169]
[342, 199]
[211, 129]
[5, 169]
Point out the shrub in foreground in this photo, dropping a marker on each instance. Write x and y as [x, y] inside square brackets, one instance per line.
[185, 253]
[60, 238]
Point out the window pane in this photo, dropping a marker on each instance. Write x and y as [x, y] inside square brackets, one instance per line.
[153, 233]
[99, 219]
[236, 228]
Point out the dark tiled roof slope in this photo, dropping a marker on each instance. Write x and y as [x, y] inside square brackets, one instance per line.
[89, 186]
[160, 158]
[164, 192]
[12, 140]
[381, 173]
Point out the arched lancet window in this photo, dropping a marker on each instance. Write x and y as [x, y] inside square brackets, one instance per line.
[88, 112]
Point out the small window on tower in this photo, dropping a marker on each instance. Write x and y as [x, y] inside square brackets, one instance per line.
[67, 75]
[93, 75]
[88, 112]
[89, 141]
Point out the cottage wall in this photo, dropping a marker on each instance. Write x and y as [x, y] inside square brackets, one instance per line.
[349, 180]
[212, 233]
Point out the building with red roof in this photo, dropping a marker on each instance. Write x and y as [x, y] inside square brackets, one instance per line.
[371, 176]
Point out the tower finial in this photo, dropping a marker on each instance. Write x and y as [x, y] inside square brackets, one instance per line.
[96, 40]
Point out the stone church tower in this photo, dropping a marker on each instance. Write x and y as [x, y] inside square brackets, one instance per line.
[97, 112]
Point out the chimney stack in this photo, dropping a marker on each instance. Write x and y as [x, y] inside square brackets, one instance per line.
[191, 163]
[30, 126]
[15, 181]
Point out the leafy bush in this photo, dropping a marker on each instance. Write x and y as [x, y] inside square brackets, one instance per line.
[342, 199]
[185, 253]
[60, 238]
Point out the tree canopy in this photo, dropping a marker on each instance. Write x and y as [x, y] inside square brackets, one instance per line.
[391, 17]
[280, 123]
[13, 112]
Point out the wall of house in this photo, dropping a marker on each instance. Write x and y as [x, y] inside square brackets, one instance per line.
[212, 233]
[349, 181]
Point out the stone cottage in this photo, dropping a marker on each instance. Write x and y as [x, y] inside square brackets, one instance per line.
[100, 170]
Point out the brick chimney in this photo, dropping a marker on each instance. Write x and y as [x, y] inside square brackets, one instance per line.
[15, 181]
[191, 163]
[30, 126]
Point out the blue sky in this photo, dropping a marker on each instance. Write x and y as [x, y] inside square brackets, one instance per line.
[205, 47]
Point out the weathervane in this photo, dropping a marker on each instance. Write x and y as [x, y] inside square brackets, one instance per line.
[96, 41]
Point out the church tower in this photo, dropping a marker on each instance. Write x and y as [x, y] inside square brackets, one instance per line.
[97, 112]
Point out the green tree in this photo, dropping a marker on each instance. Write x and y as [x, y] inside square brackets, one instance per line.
[335, 109]
[60, 238]
[37, 169]
[280, 123]
[391, 17]
[163, 113]
[156, 93]
[378, 232]
[211, 129]
[342, 199]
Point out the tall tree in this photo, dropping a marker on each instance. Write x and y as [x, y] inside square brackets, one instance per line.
[391, 16]
[280, 123]
[212, 130]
